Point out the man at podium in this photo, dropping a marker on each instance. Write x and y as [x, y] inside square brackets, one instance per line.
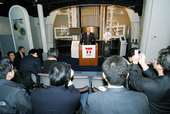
[88, 38]
[88, 50]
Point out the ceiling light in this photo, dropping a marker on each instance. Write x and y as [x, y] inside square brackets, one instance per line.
[1, 3]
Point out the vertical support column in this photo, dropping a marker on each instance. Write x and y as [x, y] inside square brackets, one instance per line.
[49, 33]
[42, 27]
[102, 21]
[74, 20]
[147, 13]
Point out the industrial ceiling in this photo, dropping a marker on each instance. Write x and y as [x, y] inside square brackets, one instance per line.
[50, 5]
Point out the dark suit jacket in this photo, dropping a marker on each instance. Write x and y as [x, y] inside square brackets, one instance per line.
[16, 96]
[29, 65]
[18, 59]
[47, 64]
[157, 89]
[116, 101]
[55, 100]
[88, 39]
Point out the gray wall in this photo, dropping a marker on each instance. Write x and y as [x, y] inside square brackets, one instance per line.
[156, 27]
[6, 42]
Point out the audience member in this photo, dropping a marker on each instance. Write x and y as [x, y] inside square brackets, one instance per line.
[107, 45]
[156, 87]
[51, 59]
[19, 56]
[0, 54]
[11, 57]
[131, 57]
[40, 55]
[59, 98]
[131, 54]
[107, 35]
[116, 99]
[13, 97]
[30, 65]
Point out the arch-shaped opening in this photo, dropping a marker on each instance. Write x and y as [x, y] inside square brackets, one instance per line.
[68, 23]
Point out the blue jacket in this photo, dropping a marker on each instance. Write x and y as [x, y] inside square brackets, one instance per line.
[116, 101]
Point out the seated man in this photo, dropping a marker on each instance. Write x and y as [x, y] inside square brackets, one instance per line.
[59, 98]
[116, 99]
[155, 86]
[88, 38]
[13, 97]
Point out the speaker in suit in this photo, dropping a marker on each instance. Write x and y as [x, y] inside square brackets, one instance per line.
[88, 39]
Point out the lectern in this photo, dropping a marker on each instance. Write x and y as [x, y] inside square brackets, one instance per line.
[88, 55]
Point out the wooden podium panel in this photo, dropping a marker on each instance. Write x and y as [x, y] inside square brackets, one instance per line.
[88, 61]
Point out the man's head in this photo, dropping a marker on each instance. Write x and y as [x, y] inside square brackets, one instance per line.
[11, 55]
[131, 53]
[115, 69]
[164, 60]
[6, 70]
[33, 52]
[52, 54]
[60, 74]
[89, 29]
[21, 49]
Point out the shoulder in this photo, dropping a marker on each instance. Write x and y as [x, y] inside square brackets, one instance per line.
[97, 95]
[137, 94]
[71, 90]
[11, 87]
[3, 82]
[17, 54]
[84, 33]
[26, 58]
[91, 33]
[11, 84]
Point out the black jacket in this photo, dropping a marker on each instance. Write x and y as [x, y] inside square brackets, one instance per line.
[156, 88]
[30, 64]
[47, 65]
[88, 39]
[18, 59]
[55, 100]
[18, 100]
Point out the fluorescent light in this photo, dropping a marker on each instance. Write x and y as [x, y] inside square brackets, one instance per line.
[1, 3]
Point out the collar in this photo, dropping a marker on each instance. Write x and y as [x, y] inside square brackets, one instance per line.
[51, 58]
[115, 87]
[70, 83]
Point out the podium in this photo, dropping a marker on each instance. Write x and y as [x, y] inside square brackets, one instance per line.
[88, 55]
